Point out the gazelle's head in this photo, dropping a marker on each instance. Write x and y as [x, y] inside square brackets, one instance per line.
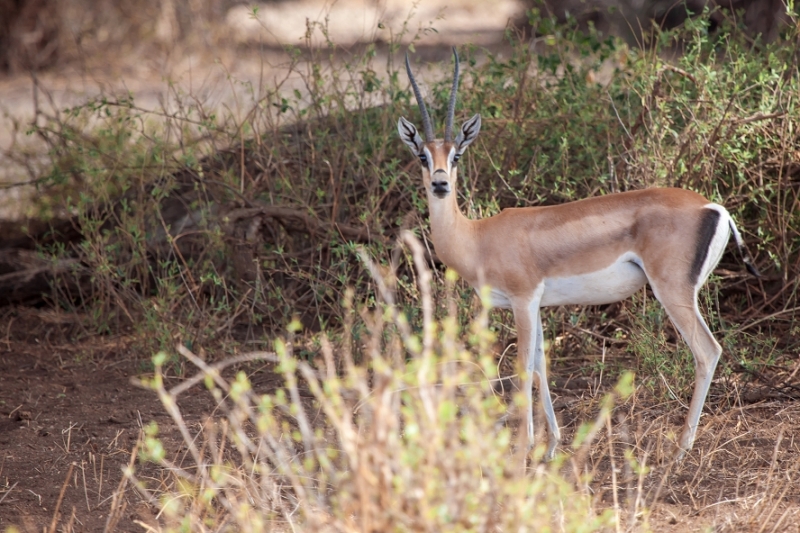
[438, 157]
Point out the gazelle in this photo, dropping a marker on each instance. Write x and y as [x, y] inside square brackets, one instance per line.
[592, 251]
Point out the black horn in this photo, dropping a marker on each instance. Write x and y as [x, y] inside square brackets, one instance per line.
[451, 106]
[426, 119]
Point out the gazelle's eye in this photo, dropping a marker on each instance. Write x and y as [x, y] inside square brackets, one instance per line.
[455, 158]
[423, 159]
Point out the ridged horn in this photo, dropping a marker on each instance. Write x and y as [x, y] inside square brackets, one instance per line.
[451, 106]
[427, 126]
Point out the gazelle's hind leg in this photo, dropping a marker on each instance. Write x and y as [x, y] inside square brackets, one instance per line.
[677, 292]
[682, 309]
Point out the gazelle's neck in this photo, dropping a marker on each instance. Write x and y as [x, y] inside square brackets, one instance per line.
[452, 234]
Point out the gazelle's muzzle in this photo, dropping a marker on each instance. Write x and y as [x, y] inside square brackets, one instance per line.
[439, 184]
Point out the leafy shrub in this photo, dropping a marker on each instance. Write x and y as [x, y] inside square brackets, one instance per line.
[204, 227]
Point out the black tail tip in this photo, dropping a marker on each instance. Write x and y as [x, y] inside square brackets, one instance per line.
[748, 262]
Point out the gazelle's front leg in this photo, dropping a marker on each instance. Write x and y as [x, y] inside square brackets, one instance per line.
[532, 363]
[539, 370]
[526, 335]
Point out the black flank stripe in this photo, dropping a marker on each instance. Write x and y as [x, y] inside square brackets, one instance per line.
[708, 227]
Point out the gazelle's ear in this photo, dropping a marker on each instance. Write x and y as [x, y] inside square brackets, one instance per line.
[469, 132]
[409, 134]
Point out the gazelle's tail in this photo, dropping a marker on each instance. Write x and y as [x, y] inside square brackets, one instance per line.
[746, 257]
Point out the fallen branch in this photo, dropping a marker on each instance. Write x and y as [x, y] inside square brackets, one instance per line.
[313, 224]
[30, 274]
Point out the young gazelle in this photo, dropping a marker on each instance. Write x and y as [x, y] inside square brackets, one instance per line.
[593, 251]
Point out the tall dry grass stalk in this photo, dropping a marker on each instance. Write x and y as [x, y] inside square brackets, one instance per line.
[410, 440]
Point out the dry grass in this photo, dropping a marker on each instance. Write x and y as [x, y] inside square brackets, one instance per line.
[396, 446]
[413, 445]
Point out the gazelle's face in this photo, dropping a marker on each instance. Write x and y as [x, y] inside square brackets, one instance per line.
[439, 159]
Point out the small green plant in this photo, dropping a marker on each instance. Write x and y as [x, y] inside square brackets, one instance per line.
[665, 363]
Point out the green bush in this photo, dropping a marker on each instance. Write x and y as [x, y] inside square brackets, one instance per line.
[200, 227]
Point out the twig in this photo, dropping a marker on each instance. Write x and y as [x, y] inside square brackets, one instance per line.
[757, 117]
[9, 491]
[54, 522]
[206, 370]
[767, 317]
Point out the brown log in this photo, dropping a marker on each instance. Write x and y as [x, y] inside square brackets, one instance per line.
[28, 275]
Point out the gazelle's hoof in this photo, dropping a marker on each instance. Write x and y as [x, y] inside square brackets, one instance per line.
[679, 454]
[551, 452]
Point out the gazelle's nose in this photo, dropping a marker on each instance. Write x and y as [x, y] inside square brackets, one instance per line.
[439, 184]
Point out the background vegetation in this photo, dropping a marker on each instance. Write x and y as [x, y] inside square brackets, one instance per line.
[202, 226]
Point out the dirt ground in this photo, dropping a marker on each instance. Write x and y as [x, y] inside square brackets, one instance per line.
[70, 417]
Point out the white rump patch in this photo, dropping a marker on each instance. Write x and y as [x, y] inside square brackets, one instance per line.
[718, 243]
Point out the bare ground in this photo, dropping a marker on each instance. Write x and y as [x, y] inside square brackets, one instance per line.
[70, 418]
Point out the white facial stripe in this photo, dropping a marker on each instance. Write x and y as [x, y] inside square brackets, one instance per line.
[448, 163]
[429, 158]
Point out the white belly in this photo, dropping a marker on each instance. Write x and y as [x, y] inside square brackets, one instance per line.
[614, 283]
